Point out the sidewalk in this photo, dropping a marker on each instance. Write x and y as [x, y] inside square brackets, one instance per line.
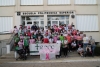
[73, 60]
[34, 61]
[72, 57]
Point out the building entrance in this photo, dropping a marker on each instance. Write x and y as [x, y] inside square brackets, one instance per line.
[57, 20]
[31, 20]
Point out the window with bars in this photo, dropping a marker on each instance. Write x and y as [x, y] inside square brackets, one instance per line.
[7, 2]
[31, 2]
[87, 22]
[85, 1]
[6, 24]
[57, 2]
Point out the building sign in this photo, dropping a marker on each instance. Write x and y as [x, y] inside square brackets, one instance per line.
[48, 12]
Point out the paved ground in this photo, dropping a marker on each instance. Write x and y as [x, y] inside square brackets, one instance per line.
[54, 64]
[73, 60]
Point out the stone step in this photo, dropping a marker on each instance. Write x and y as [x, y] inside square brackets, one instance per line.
[11, 55]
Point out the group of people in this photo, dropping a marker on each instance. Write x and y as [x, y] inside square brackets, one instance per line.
[68, 37]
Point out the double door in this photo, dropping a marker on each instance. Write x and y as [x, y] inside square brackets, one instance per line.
[29, 23]
[57, 22]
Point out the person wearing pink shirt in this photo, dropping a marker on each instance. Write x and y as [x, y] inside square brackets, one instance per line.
[79, 39]
[74, 32]
[55, 38]
[69, 32]
[20, 44]
[29, 33]
[32, 41]
[21, 36]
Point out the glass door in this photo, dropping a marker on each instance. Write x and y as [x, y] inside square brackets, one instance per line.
[61, 23]
[36, 23]
[54, 23]
[49, 23]
[28, 23]
[41, 24]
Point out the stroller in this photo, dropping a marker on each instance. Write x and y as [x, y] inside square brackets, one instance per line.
[88, 51]
[22, 54]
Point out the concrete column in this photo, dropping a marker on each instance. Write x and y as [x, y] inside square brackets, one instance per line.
[45, 2]
[17, 20]
[8, 49]
[72, 6]
[98, 2]
[45, 5]
[72, 20]
[17, 7]
[45, 20]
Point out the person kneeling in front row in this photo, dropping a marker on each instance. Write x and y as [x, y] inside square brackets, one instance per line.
[80, 51]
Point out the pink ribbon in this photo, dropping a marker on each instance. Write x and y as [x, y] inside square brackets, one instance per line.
[47, 56]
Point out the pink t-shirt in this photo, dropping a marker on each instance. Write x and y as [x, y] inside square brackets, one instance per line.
[75, 36]
[21, 37]
[20, 44]
[55, 39]
[32, 41]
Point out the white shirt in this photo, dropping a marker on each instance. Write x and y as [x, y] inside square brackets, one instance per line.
[58, 42]
[85, 40]
[73, 44]
[15, 30]
[65, 41]
[65, 28]
[50, 40]
[80, 49]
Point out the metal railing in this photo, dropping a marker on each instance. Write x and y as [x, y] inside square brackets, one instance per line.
[3, 45]
[11, 41]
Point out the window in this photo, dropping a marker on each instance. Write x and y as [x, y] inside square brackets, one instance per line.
[31, 2]
[6, 24]
[7, 2]
[58, 2]
[87, 22]
[85, 2]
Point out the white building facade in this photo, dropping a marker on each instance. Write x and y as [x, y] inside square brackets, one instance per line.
[83, 13]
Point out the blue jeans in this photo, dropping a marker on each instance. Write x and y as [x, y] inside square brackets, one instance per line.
[84, 46]
[93, 48]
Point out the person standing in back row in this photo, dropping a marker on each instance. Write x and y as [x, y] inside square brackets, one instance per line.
[69, 39]
[85, 42]
[92, 43]
[26, 44]
[34, 27]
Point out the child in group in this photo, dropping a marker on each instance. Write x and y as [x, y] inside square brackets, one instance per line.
[39, 40]
[29, 34]
[58, 41]
[80, 51]
[21, 36]
[34, 35]
[46, 39]
[73, 44]
[32, 40]
[55, 39]
[20, 44]
[50, 39]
